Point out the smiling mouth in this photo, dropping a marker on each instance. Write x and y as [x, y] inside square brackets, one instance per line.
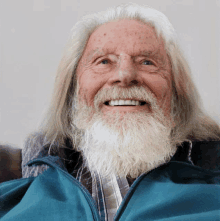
[125, 103]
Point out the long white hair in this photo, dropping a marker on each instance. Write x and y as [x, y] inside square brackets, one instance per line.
[191, 122]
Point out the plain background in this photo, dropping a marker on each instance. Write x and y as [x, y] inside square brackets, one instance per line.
[33, 34]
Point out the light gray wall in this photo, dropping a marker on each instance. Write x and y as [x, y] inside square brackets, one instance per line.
[33, 34]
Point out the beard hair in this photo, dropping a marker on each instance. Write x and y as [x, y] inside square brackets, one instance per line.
[124, 145]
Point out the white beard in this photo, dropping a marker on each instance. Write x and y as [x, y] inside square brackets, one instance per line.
[124, 145]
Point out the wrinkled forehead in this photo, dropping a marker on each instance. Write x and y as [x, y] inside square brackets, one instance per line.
[109, 37]
[130, 36]
[127, 27]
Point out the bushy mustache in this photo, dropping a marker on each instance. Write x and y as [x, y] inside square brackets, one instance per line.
[118, 93]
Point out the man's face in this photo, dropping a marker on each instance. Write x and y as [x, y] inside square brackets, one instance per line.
[125, 54]
[124, 60]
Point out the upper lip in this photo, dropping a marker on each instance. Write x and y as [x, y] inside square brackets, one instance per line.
[131, 99]
[124, 99]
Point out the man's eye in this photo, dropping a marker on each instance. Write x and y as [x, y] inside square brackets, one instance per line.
[104, 62]
[146, 62]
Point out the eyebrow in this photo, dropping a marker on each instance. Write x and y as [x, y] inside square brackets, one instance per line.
[105, 51]
[147, 53]
[102, 51]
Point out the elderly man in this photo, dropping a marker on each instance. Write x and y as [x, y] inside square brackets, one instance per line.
[125, 137]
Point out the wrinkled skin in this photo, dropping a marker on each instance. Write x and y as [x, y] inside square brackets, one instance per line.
[125, 53]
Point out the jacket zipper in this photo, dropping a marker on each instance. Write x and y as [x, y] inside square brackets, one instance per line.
[86, 193]
[131, 189]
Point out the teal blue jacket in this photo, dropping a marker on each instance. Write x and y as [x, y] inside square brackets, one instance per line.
[176, 191]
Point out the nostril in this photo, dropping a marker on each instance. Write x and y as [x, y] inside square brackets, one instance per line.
[134, 82]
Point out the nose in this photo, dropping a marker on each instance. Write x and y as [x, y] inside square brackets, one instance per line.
[126, 74]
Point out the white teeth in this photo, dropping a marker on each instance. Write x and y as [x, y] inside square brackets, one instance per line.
[121, 102]
[124, 102]
[127, 102]
[133, 102]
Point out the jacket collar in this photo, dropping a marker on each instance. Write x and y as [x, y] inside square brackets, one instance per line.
[205, 154]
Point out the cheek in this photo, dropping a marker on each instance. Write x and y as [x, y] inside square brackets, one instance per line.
[89, 85]
[85, 91]
[159, 86]
[164, 93]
